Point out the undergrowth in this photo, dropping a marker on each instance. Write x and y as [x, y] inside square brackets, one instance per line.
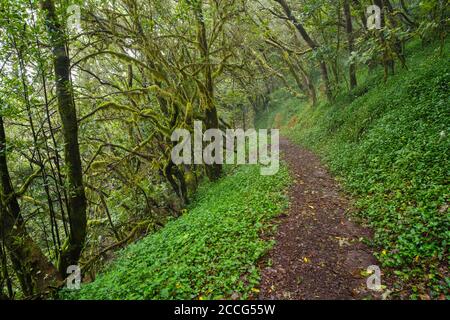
[389, 144]
[210, 252]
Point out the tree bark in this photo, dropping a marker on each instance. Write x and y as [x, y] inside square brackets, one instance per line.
[398, 46]
[362, 15]
[349, 30]
[388, 62]
[71, 250]
[33, 269]
[303, 83]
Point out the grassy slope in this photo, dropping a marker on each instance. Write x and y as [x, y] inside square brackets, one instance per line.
[386, 143]
[209, 252]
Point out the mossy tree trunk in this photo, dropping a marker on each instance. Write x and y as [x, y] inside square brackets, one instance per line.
[349, 30]
[388, 62]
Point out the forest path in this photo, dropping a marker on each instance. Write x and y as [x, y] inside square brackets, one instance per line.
[318, 252]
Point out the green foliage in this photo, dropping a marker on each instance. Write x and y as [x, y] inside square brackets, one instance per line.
[391, 148]
[210, 252]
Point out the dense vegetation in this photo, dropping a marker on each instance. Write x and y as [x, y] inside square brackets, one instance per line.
[92, 91]
[388, 142]
[210, 252]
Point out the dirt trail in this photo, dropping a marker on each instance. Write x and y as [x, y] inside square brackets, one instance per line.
[318, 253]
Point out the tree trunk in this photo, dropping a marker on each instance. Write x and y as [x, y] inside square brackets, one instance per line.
[311, 43]
[5, 279]
[309, 84]
[398, 46]
[388, 63]
[213, 171]
[34, 271]
[362, 15]
[349, 30]
[71, 251]
[303, 83]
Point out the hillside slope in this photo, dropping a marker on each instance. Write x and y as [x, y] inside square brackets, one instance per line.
[389, 143]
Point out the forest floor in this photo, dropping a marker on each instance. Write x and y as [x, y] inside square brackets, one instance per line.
[319, 253]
